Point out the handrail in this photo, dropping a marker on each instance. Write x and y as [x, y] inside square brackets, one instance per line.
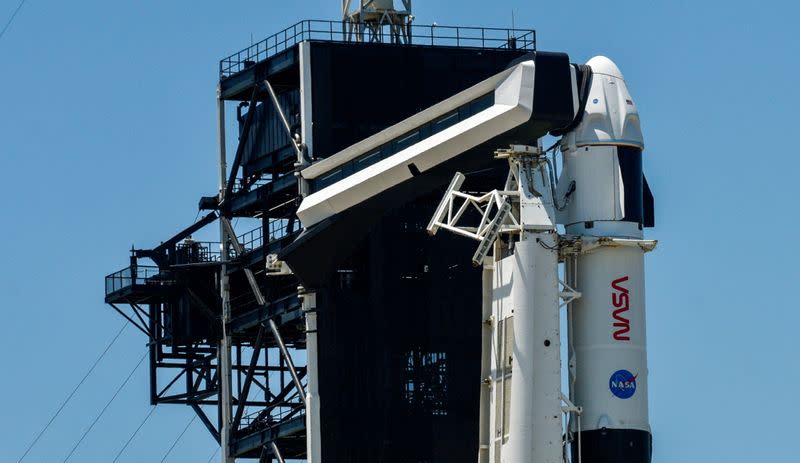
[137, 275]
[189, 252]
[336, 31]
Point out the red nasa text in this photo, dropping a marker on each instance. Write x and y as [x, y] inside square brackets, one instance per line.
[621, 301]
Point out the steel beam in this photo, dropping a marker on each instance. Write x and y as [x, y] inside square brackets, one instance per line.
[158, 250]
[224, 355]
[248, 380]
[289, 362]
[276, 452]
[257, 439]
[204, 419]
[153, 349]
[279, 111]
[130, 320]
[237, 159]
[284, 309]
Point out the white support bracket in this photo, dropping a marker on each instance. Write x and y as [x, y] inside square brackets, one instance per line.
[492, 230]
[276, 267]
[590, 244]
[571, 245]
[446, 204]
[494, 208]
[568, 408]
[251, 279]
[567, 294]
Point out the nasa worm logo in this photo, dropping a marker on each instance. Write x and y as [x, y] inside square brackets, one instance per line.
[622, 384]
[621, 300]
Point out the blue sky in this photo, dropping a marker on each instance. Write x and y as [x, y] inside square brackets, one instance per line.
[107, 138]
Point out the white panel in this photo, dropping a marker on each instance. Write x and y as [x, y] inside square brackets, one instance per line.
[536, 211]
[610, 116]
[502, 310]
[598, 185]
[575, 97]
[484, 426]
[305, 97]
[313, 420]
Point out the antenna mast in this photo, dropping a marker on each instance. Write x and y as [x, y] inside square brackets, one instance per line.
[377, 21]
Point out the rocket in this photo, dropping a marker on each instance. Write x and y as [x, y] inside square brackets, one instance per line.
[610, 206]
[603, 203]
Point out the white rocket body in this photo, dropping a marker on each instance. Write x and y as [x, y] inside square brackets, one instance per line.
[608, 355]
[525, 402]
[609, 340]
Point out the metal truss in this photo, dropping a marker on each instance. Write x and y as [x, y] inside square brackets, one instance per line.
[266, 391]
[494, 209]
[223, 320]
[367, 23]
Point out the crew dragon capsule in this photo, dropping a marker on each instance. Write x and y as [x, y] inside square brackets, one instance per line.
[610, 205]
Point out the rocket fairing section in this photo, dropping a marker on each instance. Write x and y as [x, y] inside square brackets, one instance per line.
[607, 339]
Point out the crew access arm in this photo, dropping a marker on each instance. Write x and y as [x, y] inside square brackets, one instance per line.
[537, 94]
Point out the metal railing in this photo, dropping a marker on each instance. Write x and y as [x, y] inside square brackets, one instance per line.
[139, 275]
[189, 252]
[337, 31]
[272, 416]
[239, 186]
[254, 239]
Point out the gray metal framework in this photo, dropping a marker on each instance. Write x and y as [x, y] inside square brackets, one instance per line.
[244, 367]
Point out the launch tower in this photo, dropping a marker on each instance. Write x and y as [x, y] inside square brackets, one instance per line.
[343, 327]
[395, 338]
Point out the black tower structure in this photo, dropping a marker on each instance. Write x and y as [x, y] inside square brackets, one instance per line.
[398, 313]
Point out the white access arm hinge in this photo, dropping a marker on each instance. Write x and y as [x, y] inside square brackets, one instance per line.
[275, 266]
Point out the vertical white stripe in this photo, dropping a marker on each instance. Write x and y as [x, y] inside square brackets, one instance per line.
[306, 123]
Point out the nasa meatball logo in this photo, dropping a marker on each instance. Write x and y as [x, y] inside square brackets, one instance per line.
[622, 384]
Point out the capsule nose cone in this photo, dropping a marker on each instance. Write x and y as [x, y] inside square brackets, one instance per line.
[603, 65]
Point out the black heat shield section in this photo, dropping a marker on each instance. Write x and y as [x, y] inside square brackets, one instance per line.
[630, 166]
[614, 446]
[317, 251]
[639, 202]
[649, 205]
